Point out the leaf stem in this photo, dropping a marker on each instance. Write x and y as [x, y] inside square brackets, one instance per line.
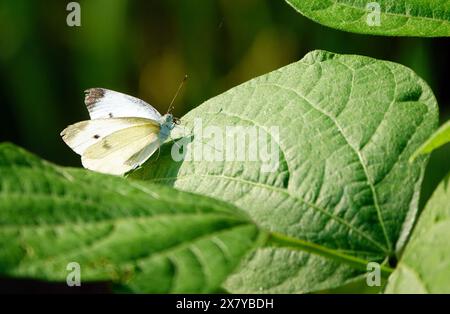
[280, 240]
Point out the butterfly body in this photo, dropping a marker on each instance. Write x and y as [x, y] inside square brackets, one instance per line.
[167, 124]
[122, 134]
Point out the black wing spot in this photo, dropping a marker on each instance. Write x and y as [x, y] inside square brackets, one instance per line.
[106, 145]
[96, 136]
[110, 115]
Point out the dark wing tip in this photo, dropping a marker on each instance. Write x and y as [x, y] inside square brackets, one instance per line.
[92, 96]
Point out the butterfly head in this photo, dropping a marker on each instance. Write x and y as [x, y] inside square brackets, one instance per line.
[169, 121]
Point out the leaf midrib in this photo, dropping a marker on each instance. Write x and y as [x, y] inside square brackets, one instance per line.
[338, 3]
[113, 220]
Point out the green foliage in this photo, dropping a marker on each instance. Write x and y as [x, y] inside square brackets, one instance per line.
[425, 264]
[145, 237]
[425, 18]
[344, 193]
[347, 127]
[438, 139]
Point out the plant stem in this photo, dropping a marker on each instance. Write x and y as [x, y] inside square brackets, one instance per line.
[281, 240]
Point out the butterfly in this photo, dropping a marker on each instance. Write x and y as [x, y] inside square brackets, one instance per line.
[122, 134]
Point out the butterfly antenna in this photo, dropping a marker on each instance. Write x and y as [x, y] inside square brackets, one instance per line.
[176, 94]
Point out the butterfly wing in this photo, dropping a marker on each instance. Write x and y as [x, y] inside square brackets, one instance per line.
[123, 150]
[104, 103]
[81, 135]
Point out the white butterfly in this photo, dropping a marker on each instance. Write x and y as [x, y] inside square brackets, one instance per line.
[122, 134]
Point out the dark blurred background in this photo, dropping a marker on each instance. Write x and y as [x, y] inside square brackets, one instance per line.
[144, 48]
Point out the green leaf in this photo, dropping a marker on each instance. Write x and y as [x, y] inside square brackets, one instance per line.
[438, 139]
[144, 237]
[425, 18]
[425, 264]
[347, 127]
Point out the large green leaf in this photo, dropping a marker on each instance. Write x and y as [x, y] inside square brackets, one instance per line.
[145, 237]
[347, 126]
[425, 264]
[426, 18]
